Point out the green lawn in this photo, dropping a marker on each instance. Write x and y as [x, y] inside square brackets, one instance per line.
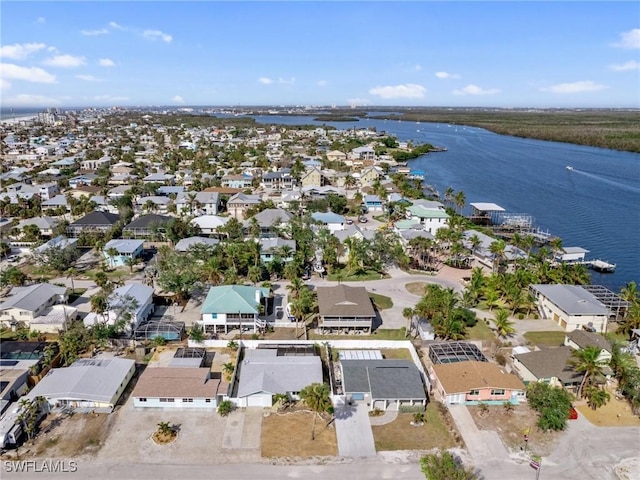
[545, 339]
[343, 275]
[382, 302]
[480, 331]
[416, 288]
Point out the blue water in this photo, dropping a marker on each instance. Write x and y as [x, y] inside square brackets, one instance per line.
[595, 206]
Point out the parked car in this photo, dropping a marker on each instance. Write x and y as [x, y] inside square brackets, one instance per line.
[362, 219]
[349, 221]
[13, 258]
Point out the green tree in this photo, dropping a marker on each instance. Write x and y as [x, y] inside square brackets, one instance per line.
[225, 407]
[551, 403]
[586, 361]
[596, 397]
[445, 466]
[504, 326]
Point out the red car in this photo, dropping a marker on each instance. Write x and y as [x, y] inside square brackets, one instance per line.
[573, 414]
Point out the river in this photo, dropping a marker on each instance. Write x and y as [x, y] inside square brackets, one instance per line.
[594, 206]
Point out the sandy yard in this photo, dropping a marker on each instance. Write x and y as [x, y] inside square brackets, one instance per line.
[511, 428]
[616, 413]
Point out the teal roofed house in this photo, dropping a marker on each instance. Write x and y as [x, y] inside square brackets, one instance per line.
[231, 307]
[430, 214]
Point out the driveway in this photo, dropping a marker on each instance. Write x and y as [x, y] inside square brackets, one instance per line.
[353, 429]
[482, 444]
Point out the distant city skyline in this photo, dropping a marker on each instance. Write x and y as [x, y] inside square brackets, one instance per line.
[363, 53]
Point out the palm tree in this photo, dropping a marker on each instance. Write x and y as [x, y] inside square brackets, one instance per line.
[587, 362]
[131, 262]
[295, 287]
[460, 200]
[497, 248]
[112, 253]
[316, 397]
[70, 273]
[408, 313]
[165, 429]
[504, 326]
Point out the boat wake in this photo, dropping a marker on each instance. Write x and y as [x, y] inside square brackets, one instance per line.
[609, 179]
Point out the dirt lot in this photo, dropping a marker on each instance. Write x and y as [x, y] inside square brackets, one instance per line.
[289, 435]
[511, 428]
[73, 436]
[401, 435]
[616, 413]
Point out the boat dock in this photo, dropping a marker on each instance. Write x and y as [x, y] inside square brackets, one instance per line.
[601, 266]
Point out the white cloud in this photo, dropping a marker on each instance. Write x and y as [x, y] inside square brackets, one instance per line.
[284, 81]
[65, 61]
[40, 20]
[475, 90]
[88, 78]
[116, 26]
[110, 98]
[265, 80]
[93, 33]
[27, 100]
[4, 84]
[575, 87]
[157, 35]
[19, 51]
[106, 62]
[177, 99]
[321, 83]
[630, 39]
[630, 65]
[409, 90]
[29, 74]
[447, 75]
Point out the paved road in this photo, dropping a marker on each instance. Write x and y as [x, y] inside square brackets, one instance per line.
[361, 470]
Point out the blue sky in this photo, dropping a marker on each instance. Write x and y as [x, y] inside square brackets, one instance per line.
[420, 53]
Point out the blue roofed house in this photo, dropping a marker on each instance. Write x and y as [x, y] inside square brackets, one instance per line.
[274, 246]
[332, 221]
[373, 203]
[124, 249]
[231, 307]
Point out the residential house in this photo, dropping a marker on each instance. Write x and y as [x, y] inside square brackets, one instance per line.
[265, 372]
[482, 251]
[278, 180]
[93, 165]
[161, 178]
[571, 306]
[237, 181]
[273, 246]
[373, 203]
[146, 226]
[186, 243]
[117, 252]
[470, 382]
[198, 203]
[368, 176]
[59, 201]
[383, 384]
[549, 365]
[345, 307]
[87, 385]
[45, 224]
[24, 304]
[82, 179]
[581, 339]
[131, 304]
[312, 177]
[336, 156]
[209, 224]
[364, 154]
[179, 388]
[239, 203]
[153, 204]
[332, 221]
[430, 214]
[232, 307]
[96, 221]
[60, 242]
[270, 220]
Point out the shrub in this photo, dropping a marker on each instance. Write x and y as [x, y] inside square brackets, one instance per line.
[521, 316]
[501, 359]
[225, 408]
[551, 403]
[411, 409]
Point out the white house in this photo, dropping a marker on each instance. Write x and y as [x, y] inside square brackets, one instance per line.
[132, 303]
[230, 307]
[431, 215]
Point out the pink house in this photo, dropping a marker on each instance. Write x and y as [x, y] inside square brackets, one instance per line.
[470, 382]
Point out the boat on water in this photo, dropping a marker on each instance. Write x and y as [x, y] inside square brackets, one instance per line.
[602, 266]
[569, 167]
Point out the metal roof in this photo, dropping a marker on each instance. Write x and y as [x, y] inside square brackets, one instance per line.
[450, 352]
[487, 207]
[572, 299]
[384, 379]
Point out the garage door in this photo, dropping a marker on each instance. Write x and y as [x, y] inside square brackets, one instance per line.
[259, 400]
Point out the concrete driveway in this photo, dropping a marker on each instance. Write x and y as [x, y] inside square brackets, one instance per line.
[353, 430]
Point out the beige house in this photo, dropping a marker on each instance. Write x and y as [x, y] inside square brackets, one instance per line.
[368, 176]
[572, 307]
[312, 178]
[28, 303]
[240, 202]
[345, 307]
[579, 339]
[336, 156]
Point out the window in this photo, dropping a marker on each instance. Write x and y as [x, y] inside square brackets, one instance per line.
[187, 400]
[474, 392]
[142, 399]
[497, 392]
[167, 400]
[207, 400]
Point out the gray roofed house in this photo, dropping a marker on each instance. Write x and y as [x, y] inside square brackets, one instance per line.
[579, 339]
[27, 303]
[571, 306]
[383, 384]
[96, 221]
[186, 243]
[143, 226]
[347, 307]
[44, 223]
[88, 384]
[270, 218]
[354, 231]
[263, 373]
[203, 203]
[548, 365]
